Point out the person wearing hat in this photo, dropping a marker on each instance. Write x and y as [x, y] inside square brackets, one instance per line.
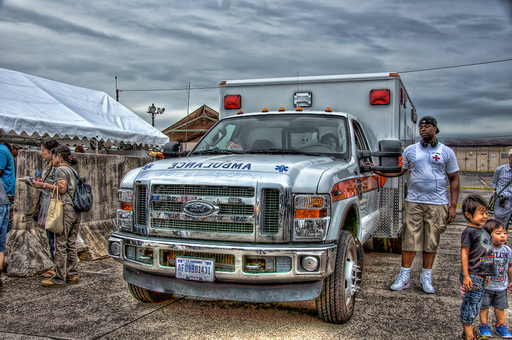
[427, 210]
[502, 184]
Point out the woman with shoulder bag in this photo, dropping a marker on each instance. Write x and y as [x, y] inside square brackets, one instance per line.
[66, 259]
[47, 184]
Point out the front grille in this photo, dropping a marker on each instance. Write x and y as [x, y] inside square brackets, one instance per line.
[235, 210]
[224, 209]
[208, 226]
[140, 205]
[202, 190]
[223, 262]
[270, 211]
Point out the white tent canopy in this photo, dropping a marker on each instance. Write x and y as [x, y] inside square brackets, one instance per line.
[33, 106]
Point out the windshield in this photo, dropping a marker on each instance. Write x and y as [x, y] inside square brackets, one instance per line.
[311, 134]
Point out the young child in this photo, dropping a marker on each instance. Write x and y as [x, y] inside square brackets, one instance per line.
[495, 294]
[477, 261]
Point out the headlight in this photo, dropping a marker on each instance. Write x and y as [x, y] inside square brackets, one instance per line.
[125, 219]
[312, 215]
[125, 211]
[124, 195]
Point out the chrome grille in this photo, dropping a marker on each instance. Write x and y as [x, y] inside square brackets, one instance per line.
[140, 205]
[270, 211]
[211, 226]
[223, 262]
[202, 190]
[225, 209]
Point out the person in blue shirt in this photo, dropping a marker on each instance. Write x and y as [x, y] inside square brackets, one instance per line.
[6, 197]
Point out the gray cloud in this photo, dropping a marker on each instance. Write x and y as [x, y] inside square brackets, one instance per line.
[157, 45]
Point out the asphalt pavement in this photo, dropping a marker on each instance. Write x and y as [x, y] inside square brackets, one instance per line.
[100, 306]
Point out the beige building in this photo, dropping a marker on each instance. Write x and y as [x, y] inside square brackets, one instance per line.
[480, 154]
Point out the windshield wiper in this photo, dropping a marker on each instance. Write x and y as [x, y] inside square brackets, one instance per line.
[283, 151]
[216, 151]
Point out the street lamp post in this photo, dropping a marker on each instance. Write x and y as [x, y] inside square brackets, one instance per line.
[153, 111]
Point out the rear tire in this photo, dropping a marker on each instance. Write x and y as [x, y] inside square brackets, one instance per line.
[337, 299]
[146, 295]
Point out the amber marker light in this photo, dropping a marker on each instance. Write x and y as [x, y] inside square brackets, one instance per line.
[127, 206]
[307, 213]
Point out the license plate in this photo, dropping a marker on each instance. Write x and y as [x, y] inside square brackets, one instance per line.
[195, 269]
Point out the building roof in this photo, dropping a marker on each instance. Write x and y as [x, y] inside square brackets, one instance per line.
[479, 142]
[192, 127]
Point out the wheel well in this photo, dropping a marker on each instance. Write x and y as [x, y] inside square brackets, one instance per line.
[350, 222]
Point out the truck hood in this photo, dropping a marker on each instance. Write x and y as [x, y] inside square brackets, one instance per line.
[304, 171]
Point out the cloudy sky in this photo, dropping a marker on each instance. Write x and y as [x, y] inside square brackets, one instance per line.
[167, 45]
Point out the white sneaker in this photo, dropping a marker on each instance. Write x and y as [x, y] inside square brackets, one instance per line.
[403, 281]
[426, 283]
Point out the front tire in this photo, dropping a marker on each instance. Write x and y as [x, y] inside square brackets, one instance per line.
[146, 295]
[337, 299]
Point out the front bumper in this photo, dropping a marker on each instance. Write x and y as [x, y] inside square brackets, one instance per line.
[261, 293]
[119, 242]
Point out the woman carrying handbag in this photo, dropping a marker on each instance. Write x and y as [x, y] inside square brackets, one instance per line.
[66, 259]
[47, 183]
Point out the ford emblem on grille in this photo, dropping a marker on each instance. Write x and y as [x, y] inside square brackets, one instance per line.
[198, 208]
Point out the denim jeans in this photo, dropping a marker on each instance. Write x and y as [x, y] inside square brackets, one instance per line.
[4, 222]
[471, 300]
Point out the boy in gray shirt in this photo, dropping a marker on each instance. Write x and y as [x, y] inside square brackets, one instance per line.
[495, 294]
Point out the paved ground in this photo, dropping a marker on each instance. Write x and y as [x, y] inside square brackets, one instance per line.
[100, 306]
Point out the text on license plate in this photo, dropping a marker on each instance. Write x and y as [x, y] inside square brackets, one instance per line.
[195, 269]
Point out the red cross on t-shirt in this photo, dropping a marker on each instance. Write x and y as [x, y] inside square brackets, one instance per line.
[436, 158]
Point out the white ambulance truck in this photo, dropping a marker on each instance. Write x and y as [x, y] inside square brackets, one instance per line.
[276, 200]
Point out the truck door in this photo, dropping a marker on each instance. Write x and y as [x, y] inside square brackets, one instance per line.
[369, 186]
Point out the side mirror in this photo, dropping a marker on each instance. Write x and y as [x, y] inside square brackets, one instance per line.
[389, 156]
[172, 149]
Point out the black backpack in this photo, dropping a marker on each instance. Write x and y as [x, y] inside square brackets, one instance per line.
[82, 199]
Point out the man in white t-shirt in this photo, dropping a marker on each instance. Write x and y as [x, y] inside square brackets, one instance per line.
[426, 211]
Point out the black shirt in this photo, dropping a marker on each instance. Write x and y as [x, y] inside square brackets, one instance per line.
[481, 258]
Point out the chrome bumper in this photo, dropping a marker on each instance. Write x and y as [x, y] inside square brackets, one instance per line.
[325, 253]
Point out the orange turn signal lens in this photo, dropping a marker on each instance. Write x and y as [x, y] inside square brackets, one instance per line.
[306, 213]
[126, 206]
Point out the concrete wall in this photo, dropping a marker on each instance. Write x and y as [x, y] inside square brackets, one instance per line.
[27, 250]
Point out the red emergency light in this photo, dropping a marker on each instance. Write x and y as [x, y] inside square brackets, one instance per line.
[232, 102]
[380, 97]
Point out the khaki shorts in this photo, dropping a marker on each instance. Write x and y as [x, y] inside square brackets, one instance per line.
[423, 226]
